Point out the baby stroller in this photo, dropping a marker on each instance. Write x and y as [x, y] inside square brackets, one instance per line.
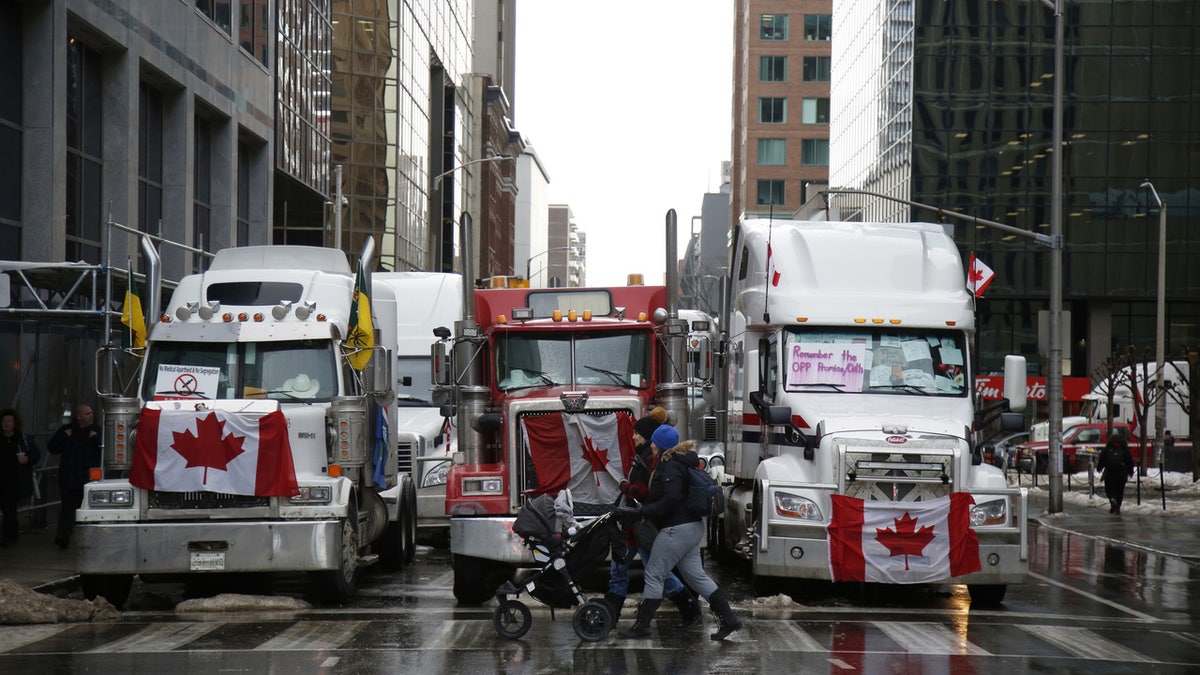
[567, 550]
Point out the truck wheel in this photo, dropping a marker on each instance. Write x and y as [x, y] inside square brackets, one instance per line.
[112, 587]
[987, 595]
[390, 546]
[472, 577]
[408, 498]
[339, 585]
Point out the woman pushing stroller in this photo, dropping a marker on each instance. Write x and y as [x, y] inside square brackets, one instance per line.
[679, 535]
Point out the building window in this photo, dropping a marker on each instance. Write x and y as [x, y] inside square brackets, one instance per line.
[814, 152]
[202, 190]
[814, 111]
[772, 110]
[772, 69]
[818, 26]
[773, 26]
[770, 193]
[217, 11]
[254, 29]
[772, 152]
[816, 69]
[150, 159]
[243, 194]
[84, 208]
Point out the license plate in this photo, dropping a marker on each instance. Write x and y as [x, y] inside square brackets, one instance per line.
[208, 561]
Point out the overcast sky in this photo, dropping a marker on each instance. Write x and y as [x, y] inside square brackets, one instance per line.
[628, 106]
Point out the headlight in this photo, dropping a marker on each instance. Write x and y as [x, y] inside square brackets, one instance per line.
[716, 460]
[436, 476]
[990, 513]
[313, 494]
[794, 506]
[483, 486]
[111, 498]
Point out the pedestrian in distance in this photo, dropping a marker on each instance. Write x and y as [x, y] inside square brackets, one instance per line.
[639, 536]
[1116, 467]
[680, 532]
[78, 446]
[18, 455]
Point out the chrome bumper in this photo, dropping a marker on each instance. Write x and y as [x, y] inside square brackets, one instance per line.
[163, 547]
[490, 538]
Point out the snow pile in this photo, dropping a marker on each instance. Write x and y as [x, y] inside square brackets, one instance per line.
[779, 601]
[21, 605]
[1182, 494]
[237, 602]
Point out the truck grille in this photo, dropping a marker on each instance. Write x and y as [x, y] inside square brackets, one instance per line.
[879, 471]
[404, 456]
[710, 428]
[204, 500]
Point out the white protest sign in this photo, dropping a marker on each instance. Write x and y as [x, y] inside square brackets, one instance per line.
[186, 382]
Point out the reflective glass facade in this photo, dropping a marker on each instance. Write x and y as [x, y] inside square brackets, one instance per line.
[302, 111]
[958, 113]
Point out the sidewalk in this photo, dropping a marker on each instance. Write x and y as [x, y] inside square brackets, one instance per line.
[34, 561]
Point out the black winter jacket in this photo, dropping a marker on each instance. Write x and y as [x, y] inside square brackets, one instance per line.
[80, 452]
[668, 491]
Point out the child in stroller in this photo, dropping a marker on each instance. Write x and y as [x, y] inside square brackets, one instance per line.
[566, 550]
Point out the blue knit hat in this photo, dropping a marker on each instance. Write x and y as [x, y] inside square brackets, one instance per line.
[665, 437]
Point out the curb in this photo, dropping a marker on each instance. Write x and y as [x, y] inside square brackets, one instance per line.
[63, 586]
[1121, 543]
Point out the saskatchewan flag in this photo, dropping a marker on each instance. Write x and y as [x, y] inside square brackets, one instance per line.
[131, 315]
[361, 337]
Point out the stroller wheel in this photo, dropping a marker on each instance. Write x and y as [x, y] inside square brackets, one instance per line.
[592, 621]
[512, 619]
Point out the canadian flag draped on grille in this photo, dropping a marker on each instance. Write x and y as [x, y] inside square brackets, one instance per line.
[213, 451]
[590, 454]
[902, 542]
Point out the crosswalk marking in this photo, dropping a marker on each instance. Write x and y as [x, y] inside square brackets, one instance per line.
[161, 637]
[929, 638]
[1085, 644]
[312, 635]
[15, 637]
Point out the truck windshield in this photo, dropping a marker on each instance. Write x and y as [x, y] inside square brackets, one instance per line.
[580, 359]
[288, 370]
[875, 360]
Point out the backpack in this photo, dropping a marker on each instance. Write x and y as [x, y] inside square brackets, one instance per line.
[704, 497]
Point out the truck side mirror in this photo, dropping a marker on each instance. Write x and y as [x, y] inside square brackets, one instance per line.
[1015, 384]
[1011, 421]
[377, 377]
[700, 353]
[439, 364]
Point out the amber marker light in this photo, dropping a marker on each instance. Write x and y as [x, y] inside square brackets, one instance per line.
[95, 473]
[557, 315]
[587, 315]
[335, 470]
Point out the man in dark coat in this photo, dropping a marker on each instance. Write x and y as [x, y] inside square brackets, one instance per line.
[18, 455]
[1116, 465]
[78, 446]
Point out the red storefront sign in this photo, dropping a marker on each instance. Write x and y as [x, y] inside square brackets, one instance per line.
[991, 388]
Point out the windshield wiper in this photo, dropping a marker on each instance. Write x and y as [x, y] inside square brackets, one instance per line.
[191, 396]
[830, 385]
[618, 377]
[412, 401]
[912, 389]
[545, 379]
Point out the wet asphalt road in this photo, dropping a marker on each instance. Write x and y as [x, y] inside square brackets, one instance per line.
[1088, 606]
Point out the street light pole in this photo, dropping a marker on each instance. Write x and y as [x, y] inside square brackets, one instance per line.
[1160, 319]
[529, 263]
[446, 231]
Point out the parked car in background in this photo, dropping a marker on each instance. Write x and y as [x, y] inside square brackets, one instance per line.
[1001, 449]
[1080, 444]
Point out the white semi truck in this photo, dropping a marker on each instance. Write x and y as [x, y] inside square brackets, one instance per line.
[848, 372]
[256, 439]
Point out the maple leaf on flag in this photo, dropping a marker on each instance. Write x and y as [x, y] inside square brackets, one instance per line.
[905, 540]
[597, 458]
[209, 448]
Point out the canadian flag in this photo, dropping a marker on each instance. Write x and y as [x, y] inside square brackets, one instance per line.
[902, 542]
[979, 276]
[213, 451]
[590, 454]
[772, 273]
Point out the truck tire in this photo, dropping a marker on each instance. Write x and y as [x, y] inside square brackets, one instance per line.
[473, 579]
[390, 546]
[408, 498]
[987, 595]
[339, 585]
[112, 587]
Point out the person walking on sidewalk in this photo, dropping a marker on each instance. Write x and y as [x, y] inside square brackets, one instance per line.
[640, 536]
[78, 445]
[18, 455]
[679, 535]
[1116, 466]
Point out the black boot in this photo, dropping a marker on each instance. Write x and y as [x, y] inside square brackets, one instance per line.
[615, 603]
[690, 615]
[729, 620]
[641, 627]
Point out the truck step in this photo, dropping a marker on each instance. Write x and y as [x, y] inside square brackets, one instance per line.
[368, 559]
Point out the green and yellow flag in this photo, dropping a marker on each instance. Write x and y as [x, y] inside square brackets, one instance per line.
[131, 315]
[361, 337]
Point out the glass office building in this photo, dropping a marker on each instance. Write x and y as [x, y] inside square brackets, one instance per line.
[950, 104]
